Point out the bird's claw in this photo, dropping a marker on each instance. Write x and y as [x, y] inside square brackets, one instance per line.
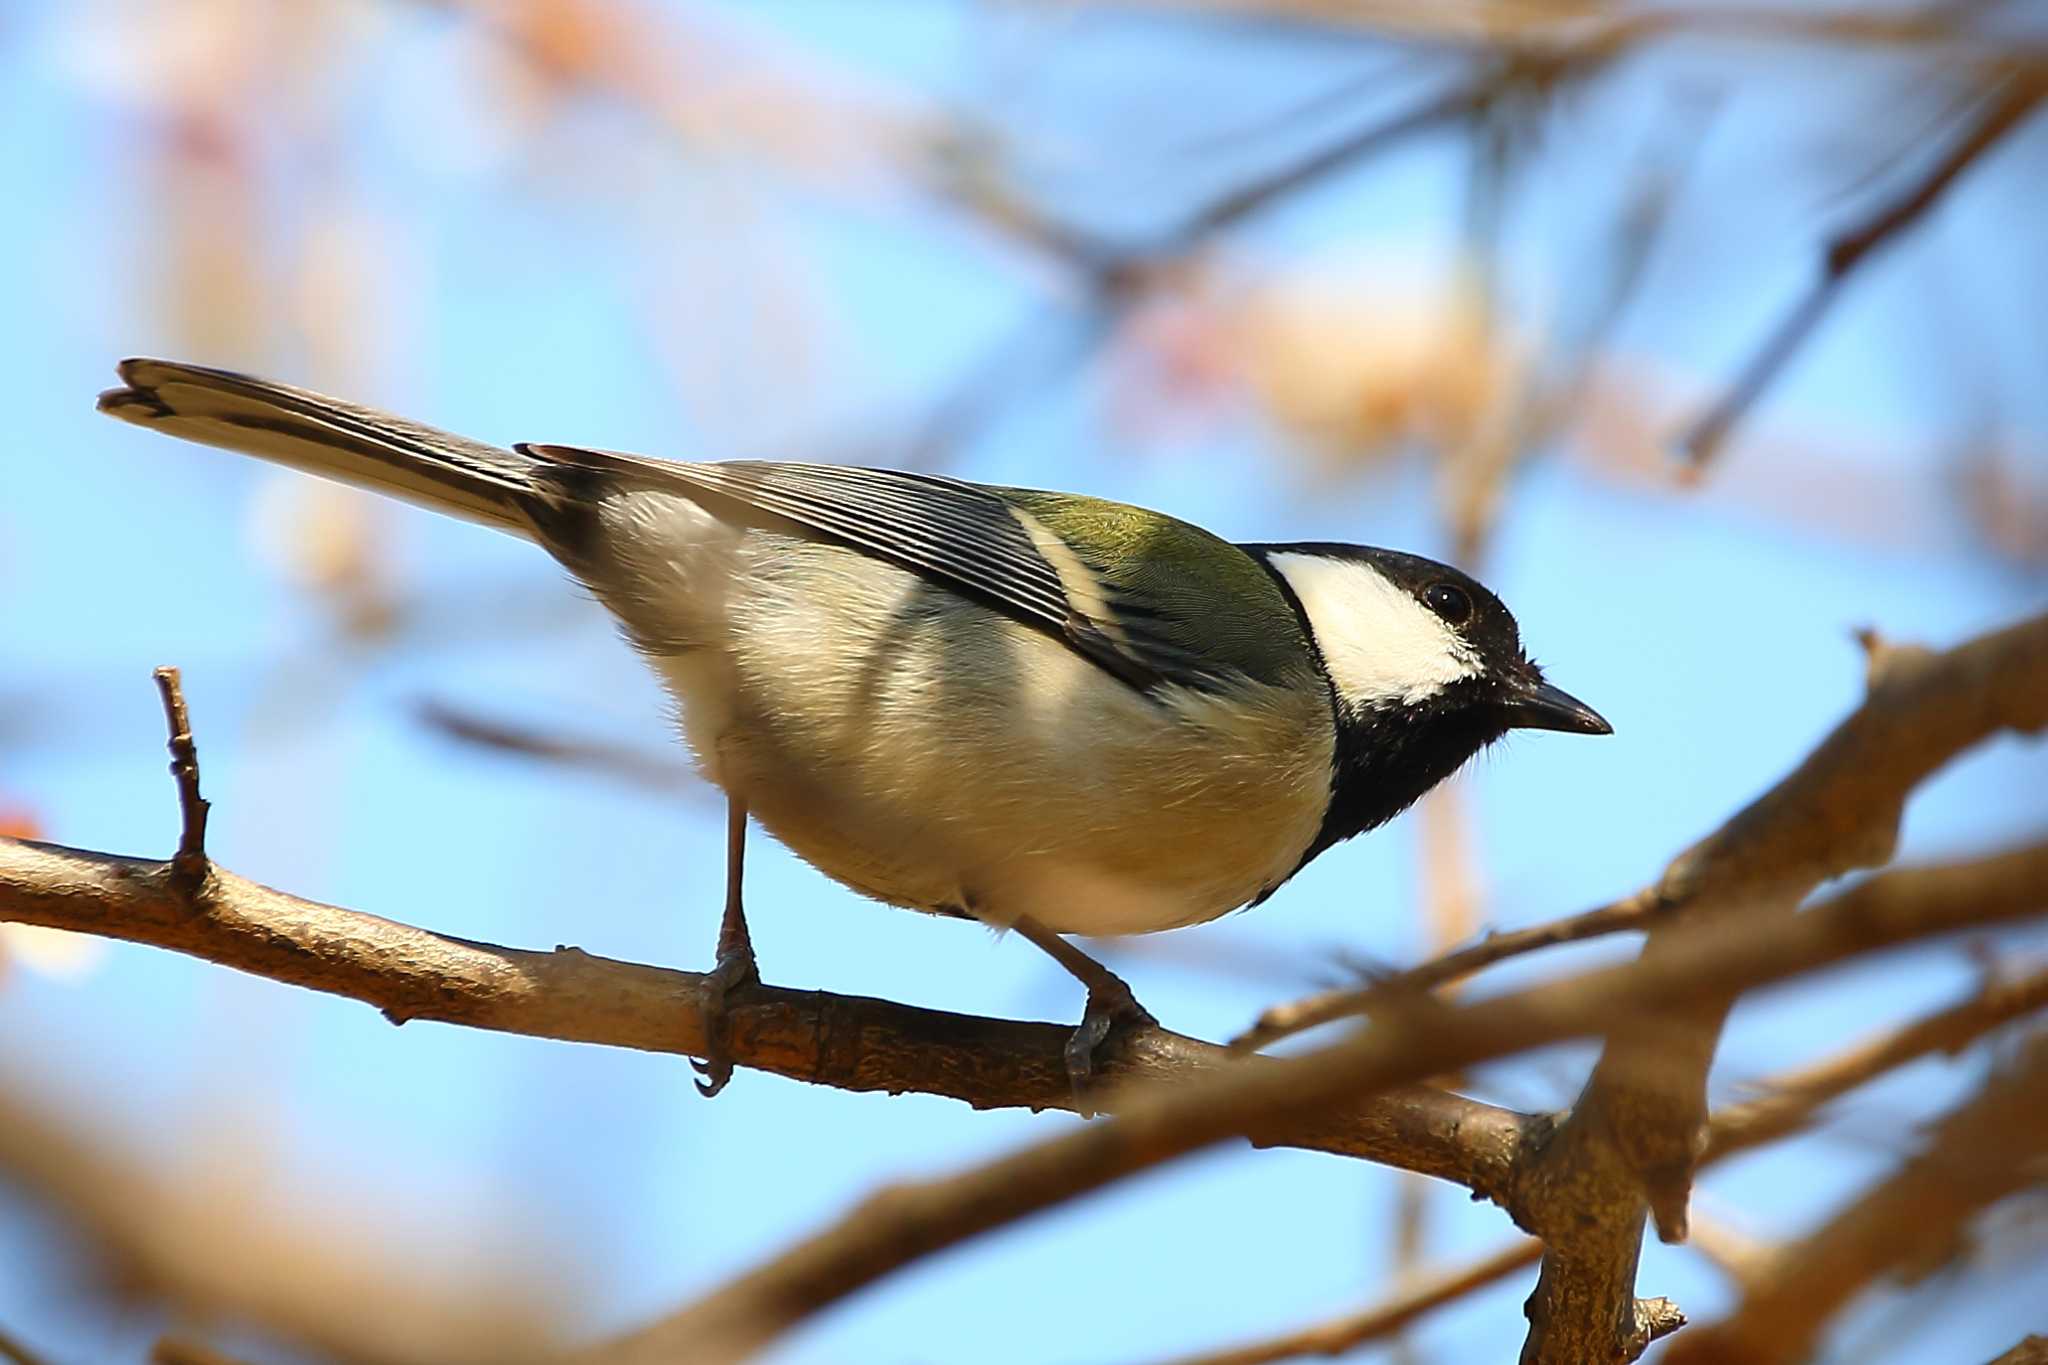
[1106, 1011]
[735, 972]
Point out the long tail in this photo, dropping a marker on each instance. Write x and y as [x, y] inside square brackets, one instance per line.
[328, 437]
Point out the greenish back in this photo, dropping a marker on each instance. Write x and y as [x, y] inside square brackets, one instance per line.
[1193, 591]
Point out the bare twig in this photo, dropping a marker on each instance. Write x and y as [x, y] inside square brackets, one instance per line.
[1418, 1038]
[1994, 1145]
[1340, 1335]
[2005, 112]
[1630, 914]
[1790, 1100]
[189, 863]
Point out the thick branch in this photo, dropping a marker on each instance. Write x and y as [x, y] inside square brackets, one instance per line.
[1637, 1132]
[1418, 1038]
[848, 1042]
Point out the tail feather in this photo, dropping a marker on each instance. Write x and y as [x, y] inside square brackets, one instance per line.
[328, 437]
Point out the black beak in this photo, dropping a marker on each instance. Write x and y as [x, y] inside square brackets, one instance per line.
[1535, 705]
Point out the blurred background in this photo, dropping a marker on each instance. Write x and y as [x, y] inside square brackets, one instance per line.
[1538, 286]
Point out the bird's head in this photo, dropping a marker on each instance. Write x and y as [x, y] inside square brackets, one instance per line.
[1426, 668]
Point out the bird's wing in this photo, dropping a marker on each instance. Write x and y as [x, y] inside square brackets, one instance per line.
[985, 543]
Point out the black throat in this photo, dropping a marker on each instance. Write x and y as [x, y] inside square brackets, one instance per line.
[1387, 757]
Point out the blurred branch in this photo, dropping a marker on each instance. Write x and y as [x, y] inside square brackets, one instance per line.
[1418, 1037]
[17, 1353]
[1113, 277]
[1992, 1146]
[1789, 1103]
[1635, 1136]
[215, 1243]
[2005, 112]
[175, 1350]
[1340, 1335]
[660, 772]
[1630, 914]
[2032, 1351]
[1477, 24]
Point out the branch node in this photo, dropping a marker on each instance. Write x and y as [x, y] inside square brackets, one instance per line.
[1655, 1319]
[1670, 1196]
[189, 863]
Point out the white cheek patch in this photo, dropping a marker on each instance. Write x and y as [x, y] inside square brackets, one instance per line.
[1382, 647]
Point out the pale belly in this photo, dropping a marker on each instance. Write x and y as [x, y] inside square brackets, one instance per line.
[938, 755]
[1002, 775]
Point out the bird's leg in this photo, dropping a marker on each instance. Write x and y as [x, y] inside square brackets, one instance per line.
[735, 968]
[1110, 1002]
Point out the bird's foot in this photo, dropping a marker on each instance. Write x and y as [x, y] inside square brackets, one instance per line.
[735, 973]
[1110, 1004]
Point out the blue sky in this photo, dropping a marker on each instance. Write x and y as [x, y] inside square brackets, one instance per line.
[553, 293]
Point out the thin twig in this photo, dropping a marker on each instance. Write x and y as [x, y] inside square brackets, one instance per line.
[1633, 913]
[2005, 112]
[189, 863]
[1790, 1101]
[1339, 1335]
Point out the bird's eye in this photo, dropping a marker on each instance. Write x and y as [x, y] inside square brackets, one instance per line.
[1449, 601]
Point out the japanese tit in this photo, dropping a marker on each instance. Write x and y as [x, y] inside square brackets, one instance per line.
[1036, 709]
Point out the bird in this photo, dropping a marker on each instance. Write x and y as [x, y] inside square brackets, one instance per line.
[1051, 713]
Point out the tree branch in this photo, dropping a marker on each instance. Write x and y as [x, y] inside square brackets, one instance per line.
[1788, 1103]
[1636, 1134]
[189, 863]
[1838, 810]
[1629, 914]
[1339, 1335]
[2005, 112]
[1416, 1038]
[1994, 1145]
[847, 1042]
